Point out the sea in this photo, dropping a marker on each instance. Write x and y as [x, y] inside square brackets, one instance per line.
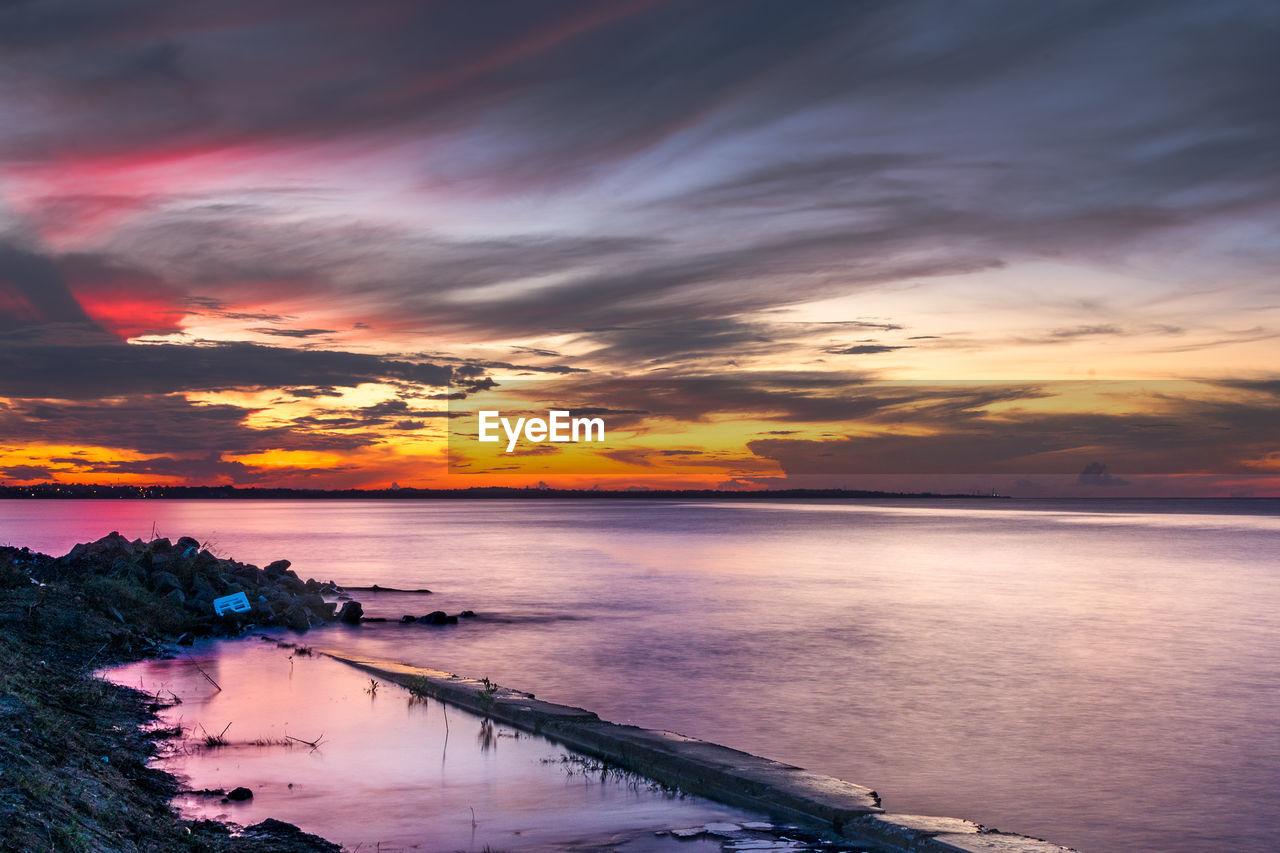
[1104, 673]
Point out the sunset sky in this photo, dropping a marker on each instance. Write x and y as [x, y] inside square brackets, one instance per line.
[262, 243]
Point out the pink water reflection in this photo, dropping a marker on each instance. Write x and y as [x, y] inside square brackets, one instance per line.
[390, 769]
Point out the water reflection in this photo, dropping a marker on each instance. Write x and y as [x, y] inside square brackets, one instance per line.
[322, 747]
[486, 738]
[1079, 670]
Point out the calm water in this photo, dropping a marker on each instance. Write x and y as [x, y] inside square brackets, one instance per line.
[390, 772]
[1103, 674]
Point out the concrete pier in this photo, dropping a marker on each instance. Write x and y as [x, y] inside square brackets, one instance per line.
[710, 770]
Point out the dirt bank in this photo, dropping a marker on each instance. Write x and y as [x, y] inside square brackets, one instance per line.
[73, 748]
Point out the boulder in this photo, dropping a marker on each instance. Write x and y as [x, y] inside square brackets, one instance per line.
[279, 567]
[290, 584]
[200, 604]
[240, 794]
[406, 619]
[164, 581]
[296, 617]
[281, 837]
[249, 573]
[175, 595]
[468, 614]
[435, 617]
[351, 613]
[185, 543]
[113, 543]
[200, 586]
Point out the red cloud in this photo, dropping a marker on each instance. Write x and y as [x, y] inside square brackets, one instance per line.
[125, 301]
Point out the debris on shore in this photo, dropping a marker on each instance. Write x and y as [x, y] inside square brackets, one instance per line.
[188, 577]
[74, 749]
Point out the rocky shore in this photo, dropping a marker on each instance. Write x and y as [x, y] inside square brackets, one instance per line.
[74, 748]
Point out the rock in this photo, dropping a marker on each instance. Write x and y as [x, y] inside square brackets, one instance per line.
[185, 543]
[247, 573]
[296, 617]
[468, 614]
[200, 586]
[313, 585]
[176, 596]
[351, 613]
[240, 794]
[281, 837]
[114, 543]
[291, 584]
[279, 567]
[318, 606]
[406, 619]
[200, 604]
[451, 620]
[161, 546]
[163, 581]
[435, 617]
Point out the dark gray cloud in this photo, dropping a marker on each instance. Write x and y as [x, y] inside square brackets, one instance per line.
[784, 396]
[200, 469]
[1095, 474]
[291, 333]
[159, 424]
[939, 140]
[38, 368]
[863, 349]
[721, 162]
[28, 472]
[1193, 437]
[32, 291]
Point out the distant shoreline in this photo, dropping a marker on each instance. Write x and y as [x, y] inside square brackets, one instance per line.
[88, 492]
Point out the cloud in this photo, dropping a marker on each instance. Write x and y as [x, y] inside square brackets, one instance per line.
[1187, 436]
[1095, 474]
[32, 291]
[291, 333]
[631, 187]
[863, 349]
[207, 469]
[28, 472]
[1087, 331]
[37, 368]
[161, 424]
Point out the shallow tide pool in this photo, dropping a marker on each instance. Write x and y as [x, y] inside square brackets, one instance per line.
[391, 771]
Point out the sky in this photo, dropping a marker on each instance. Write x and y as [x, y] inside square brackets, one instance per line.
[978, 245]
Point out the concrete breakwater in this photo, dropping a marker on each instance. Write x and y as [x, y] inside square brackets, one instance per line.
[844, 809]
